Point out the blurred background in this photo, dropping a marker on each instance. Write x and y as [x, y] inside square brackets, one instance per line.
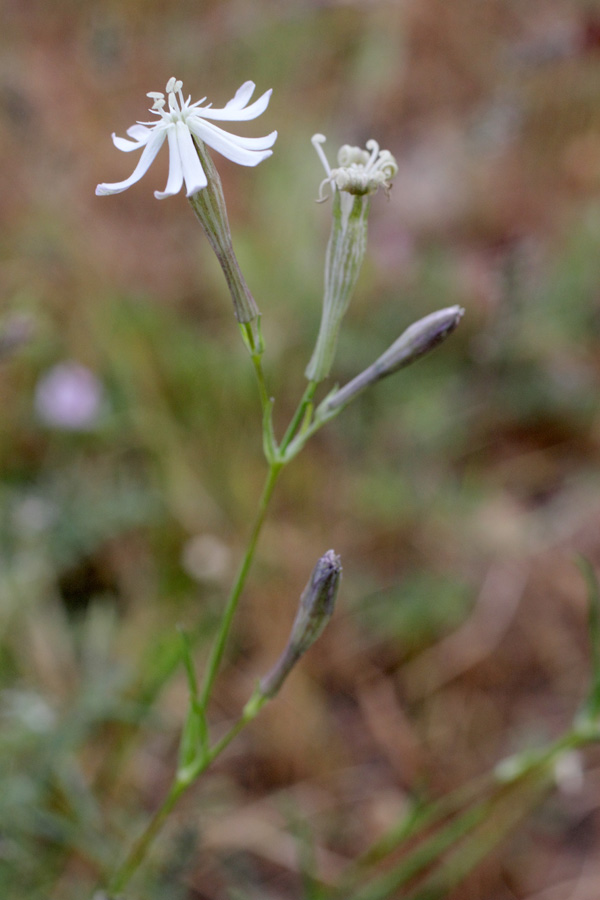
[458, 493]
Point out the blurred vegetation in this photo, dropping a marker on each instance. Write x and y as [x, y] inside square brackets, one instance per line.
[457, 492]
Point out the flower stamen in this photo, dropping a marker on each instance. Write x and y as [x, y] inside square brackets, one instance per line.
[359, 172]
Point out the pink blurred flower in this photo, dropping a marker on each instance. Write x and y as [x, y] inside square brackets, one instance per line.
[69, 396]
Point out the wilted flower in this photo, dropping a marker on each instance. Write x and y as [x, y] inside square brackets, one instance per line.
[180, 124]
[360, 174]
[359, 171]
[69, 396]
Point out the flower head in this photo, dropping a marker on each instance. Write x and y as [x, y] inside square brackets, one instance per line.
[180, 121]
[359, 171]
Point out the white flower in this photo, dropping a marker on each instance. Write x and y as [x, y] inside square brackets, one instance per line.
[182, 122]
[360, 171]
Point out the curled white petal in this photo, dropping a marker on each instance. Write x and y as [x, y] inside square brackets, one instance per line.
[154, 144]
[127, 146]
[228, 145]
[237, 115]
[253, 144]
[241, 96]
[138, 132]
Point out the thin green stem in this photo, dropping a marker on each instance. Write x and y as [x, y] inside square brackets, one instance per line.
[423, 817]
[423, 856]
[140, 849]
[184, 780]
[218, 647]
[299, 415]
[519, 774]
[252, 337]
[262, 385]
[504, 817]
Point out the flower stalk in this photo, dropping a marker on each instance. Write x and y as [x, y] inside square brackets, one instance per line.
[210, 210]
[345, 253]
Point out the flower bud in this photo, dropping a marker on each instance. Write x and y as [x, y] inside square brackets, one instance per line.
[314, 612]
[418, 339]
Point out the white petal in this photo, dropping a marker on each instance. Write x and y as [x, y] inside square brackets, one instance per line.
[138, 132]
[242, 95]
[228, 145]
[259, 143]
[145, 161]
[193, 173]
[127, 146]
[175, 179]
[237, 115]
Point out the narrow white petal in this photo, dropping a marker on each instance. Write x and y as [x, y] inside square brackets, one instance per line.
[228, 145]
[237, 115]
[259, 143]
[175, 179]
[193, 173]
[138, 132]
[145, 161]
[127, 146]
[242, 95]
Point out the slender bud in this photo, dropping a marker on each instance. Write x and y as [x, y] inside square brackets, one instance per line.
[314, 612]
[209, 207]
[360, 173]
[418, 339]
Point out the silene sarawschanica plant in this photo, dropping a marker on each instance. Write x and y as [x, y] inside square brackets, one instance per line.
[445, 839]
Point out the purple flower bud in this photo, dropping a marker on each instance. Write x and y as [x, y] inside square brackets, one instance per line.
[420, 338]
[314, 612]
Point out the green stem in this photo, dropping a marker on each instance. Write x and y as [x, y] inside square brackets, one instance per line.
[188, 775]
[218, 648]
[140, 849]
[262, 385]
[507, 815]
[423, 817]
[299, 415]
[184, 780]
[422, 857]
[530, 772]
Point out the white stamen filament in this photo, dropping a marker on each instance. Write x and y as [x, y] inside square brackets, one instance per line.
[317, 140]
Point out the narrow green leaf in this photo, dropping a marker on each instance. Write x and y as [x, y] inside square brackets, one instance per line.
[194, 737]
[192, 742]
